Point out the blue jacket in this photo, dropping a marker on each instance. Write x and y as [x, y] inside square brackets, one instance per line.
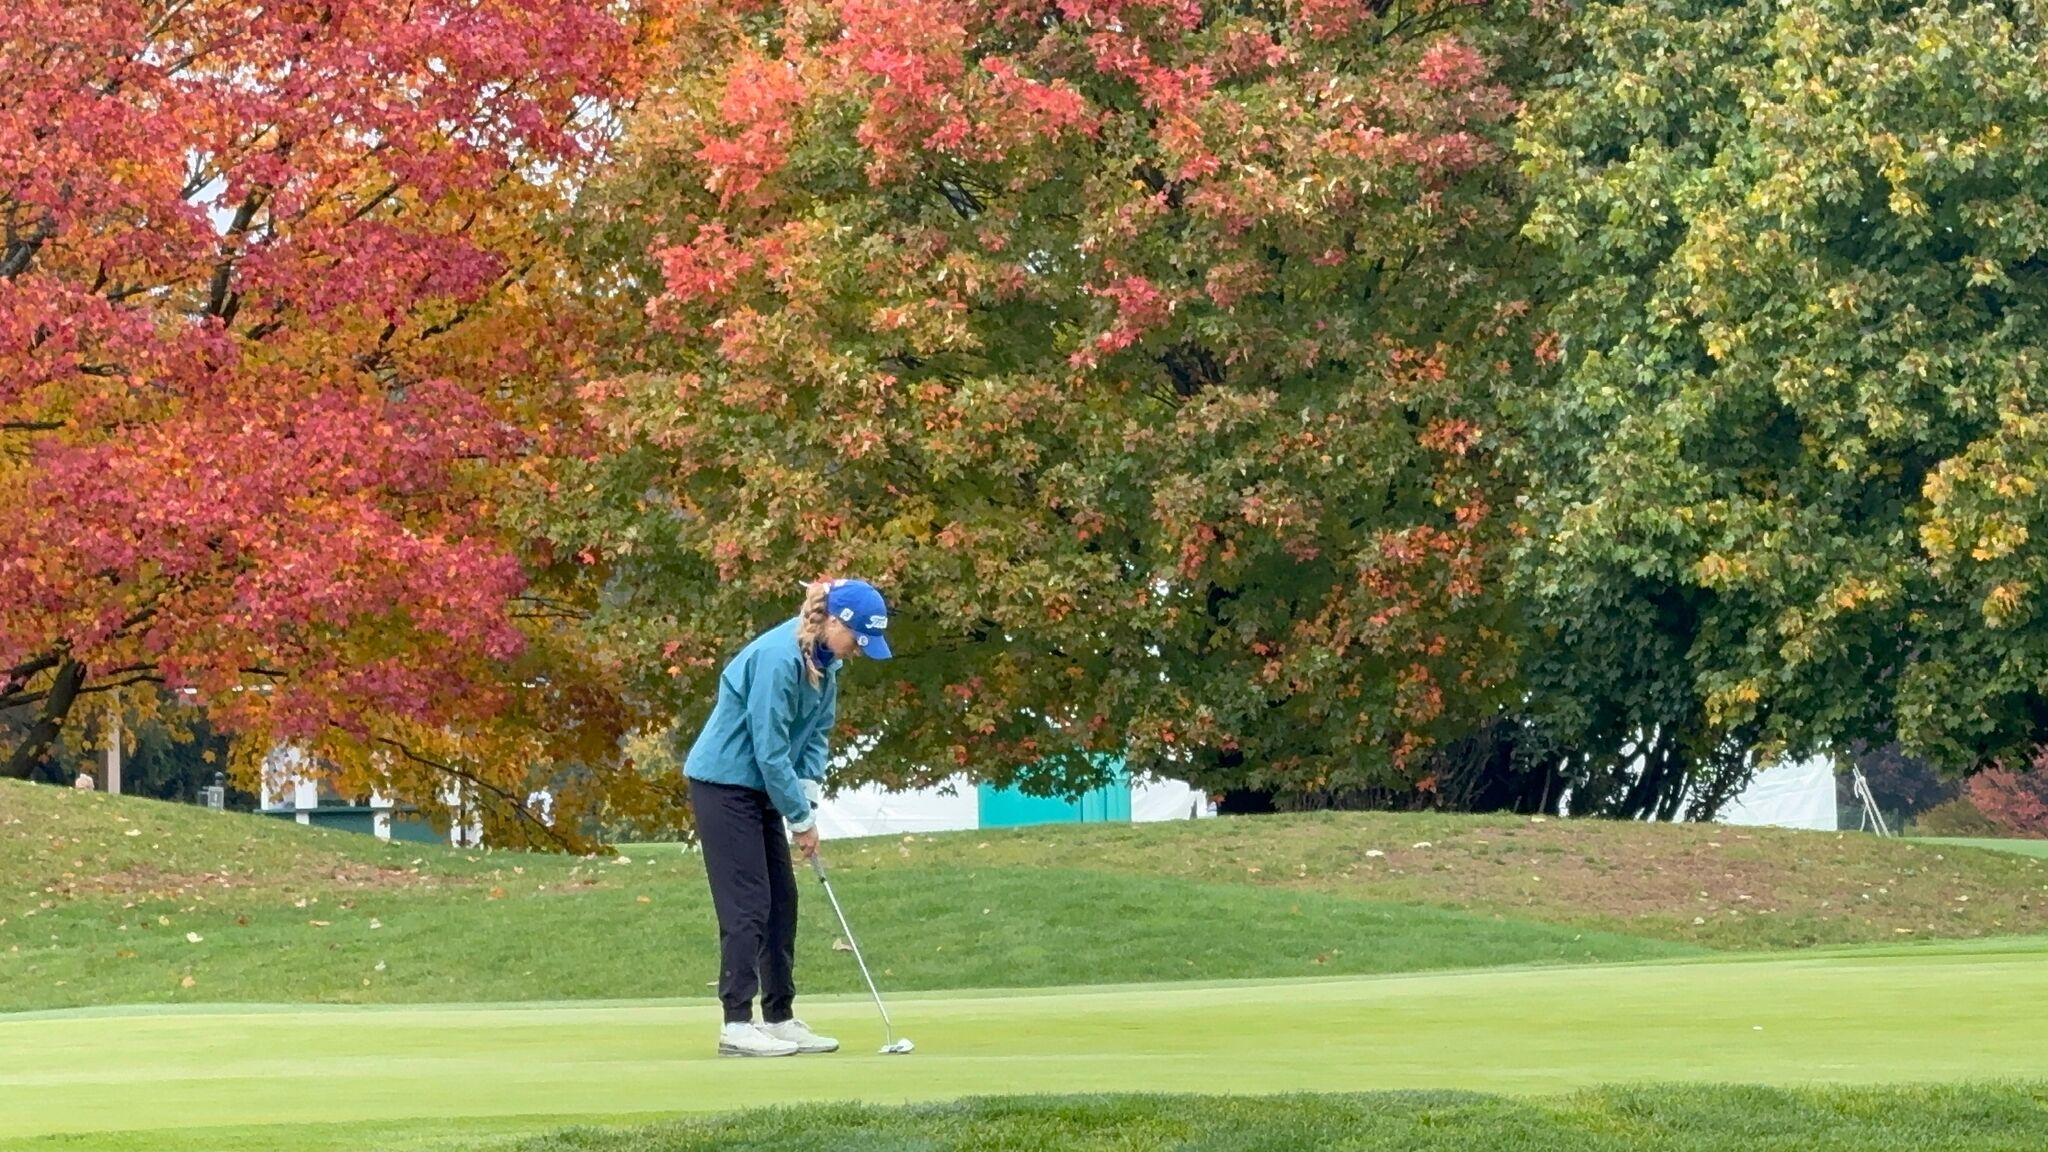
[768, 730]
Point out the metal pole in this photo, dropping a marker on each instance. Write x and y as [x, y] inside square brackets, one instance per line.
[1873, 817]
[114, 746]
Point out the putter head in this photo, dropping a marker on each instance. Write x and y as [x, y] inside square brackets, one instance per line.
[899, 1048]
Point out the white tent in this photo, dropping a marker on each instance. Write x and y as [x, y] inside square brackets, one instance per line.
[1155, 800]
[1791, 795]
[872, 810]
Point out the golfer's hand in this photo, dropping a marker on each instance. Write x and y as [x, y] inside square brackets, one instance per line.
[807, 843]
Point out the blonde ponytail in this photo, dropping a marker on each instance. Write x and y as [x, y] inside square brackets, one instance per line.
[810, 630]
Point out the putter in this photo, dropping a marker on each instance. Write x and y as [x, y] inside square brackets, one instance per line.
[895, 1046]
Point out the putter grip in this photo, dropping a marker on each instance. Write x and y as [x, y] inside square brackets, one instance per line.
[818, 866]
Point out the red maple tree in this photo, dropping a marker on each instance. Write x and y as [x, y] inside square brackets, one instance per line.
[276, 322]
[2017, 802]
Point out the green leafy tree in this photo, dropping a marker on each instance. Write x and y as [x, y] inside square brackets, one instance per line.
[1790, 477]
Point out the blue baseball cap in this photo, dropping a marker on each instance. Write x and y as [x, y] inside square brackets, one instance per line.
[860, 607]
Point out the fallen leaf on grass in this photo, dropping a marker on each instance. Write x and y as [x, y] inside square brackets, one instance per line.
[839, 944]
[643, 899]
[318, 923]
[495, 894]
[193, 938]
[188, 982]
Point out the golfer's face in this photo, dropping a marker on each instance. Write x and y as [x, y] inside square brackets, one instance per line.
[841, 639]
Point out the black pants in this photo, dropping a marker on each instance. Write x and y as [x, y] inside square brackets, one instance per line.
[746, 857]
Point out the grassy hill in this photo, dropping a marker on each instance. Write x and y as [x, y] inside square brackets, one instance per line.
[109, 900]
[105, 900]
[1704, 884]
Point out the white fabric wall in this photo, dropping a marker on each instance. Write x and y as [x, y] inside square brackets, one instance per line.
[1154, 800]
[1793, 795]
[876, 811]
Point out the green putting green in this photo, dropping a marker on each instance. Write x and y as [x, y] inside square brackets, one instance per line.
[1930, 1014]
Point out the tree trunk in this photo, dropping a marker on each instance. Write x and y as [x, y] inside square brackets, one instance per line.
[35, 746]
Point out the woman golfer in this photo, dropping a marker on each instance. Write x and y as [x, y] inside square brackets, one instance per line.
[759, 763]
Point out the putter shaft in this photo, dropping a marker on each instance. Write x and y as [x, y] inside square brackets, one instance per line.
[888, 1029]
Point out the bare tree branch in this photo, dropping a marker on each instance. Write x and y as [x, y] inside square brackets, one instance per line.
[21, 673]
[21, 248]
[516, 804]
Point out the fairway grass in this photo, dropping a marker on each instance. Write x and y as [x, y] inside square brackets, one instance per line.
[2007, 1118]
[1925, 1016]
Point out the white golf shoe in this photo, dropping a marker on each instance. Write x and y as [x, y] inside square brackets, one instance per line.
[749, 1040]
[795, 1032]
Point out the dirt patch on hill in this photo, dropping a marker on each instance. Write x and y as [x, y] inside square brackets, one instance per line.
[147, 880]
